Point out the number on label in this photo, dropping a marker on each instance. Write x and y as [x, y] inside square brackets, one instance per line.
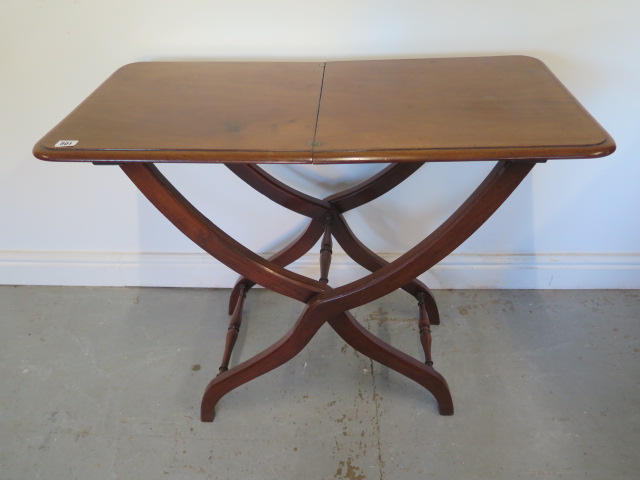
[66, 143]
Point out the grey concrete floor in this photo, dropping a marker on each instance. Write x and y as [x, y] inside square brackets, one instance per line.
[105, 383]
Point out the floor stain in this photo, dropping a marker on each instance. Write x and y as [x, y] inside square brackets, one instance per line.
[346, 470]
[194, 468]
[342, 419]
[379, 315]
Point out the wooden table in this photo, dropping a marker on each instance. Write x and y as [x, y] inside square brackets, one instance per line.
[510, 110]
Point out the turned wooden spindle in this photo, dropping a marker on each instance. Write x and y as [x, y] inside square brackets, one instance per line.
[326, 250]
[424, 327]
[233, 330]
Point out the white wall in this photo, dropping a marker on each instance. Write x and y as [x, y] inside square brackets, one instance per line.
[571, 224]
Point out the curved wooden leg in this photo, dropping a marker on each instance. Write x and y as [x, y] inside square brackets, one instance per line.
[363, 341]
[279, 353]
[371, 261]
[204, 233]
[481, 204]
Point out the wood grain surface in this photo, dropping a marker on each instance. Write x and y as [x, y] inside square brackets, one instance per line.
[447, 109]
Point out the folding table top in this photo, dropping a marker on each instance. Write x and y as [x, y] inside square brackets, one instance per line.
[445, 109]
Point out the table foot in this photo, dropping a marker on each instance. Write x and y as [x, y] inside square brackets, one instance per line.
[278, 354]
[368, 344]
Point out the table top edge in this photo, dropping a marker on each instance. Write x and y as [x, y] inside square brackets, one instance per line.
[601, 149]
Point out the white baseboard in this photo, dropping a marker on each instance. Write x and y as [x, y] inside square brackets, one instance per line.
[548, 271]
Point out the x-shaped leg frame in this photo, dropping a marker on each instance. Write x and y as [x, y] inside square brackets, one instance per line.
[323, 303]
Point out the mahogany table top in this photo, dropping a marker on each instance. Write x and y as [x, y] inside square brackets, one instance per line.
[445, 109]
